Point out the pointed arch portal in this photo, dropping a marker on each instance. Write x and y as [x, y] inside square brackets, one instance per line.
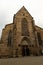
[24, 44]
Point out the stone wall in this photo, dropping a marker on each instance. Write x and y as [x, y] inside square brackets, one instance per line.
[40, 30]
[5, 50]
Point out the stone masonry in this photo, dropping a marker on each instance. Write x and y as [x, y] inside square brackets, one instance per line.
[22, 37]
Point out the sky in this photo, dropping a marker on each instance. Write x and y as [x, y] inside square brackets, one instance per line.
[10, 7]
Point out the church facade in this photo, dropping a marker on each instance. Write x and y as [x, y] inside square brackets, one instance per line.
[22, 37]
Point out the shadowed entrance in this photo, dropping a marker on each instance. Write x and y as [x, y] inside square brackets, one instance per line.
[25, 48]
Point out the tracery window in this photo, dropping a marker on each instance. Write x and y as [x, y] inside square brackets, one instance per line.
[24, 27]
[39, 38]
[9, 38]
[33, 25]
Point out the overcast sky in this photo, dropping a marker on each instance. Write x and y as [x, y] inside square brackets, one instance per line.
[9, 7]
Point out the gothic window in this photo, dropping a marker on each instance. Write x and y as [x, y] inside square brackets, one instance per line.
[33, 25]
[24, 27]
[39, 38]
[9, 38]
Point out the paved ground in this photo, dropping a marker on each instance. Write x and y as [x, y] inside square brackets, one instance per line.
[37, 60]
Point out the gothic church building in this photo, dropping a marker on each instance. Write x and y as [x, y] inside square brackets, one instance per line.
[22, 37]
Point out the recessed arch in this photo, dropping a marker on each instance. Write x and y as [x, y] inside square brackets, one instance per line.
[25, 41]
[24, 45]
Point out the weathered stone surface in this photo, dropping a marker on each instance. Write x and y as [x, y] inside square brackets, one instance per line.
[21, 41]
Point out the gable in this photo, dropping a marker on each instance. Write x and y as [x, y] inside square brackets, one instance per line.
[23, 13]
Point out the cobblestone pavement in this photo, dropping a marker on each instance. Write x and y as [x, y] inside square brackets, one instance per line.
[34, 60]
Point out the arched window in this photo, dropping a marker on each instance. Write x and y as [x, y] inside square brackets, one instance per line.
[39, 38]
[24, 27]
[9, 38]
[33, 25]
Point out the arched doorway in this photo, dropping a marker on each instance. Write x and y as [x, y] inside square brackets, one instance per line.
[25, 46]
[25, 50]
